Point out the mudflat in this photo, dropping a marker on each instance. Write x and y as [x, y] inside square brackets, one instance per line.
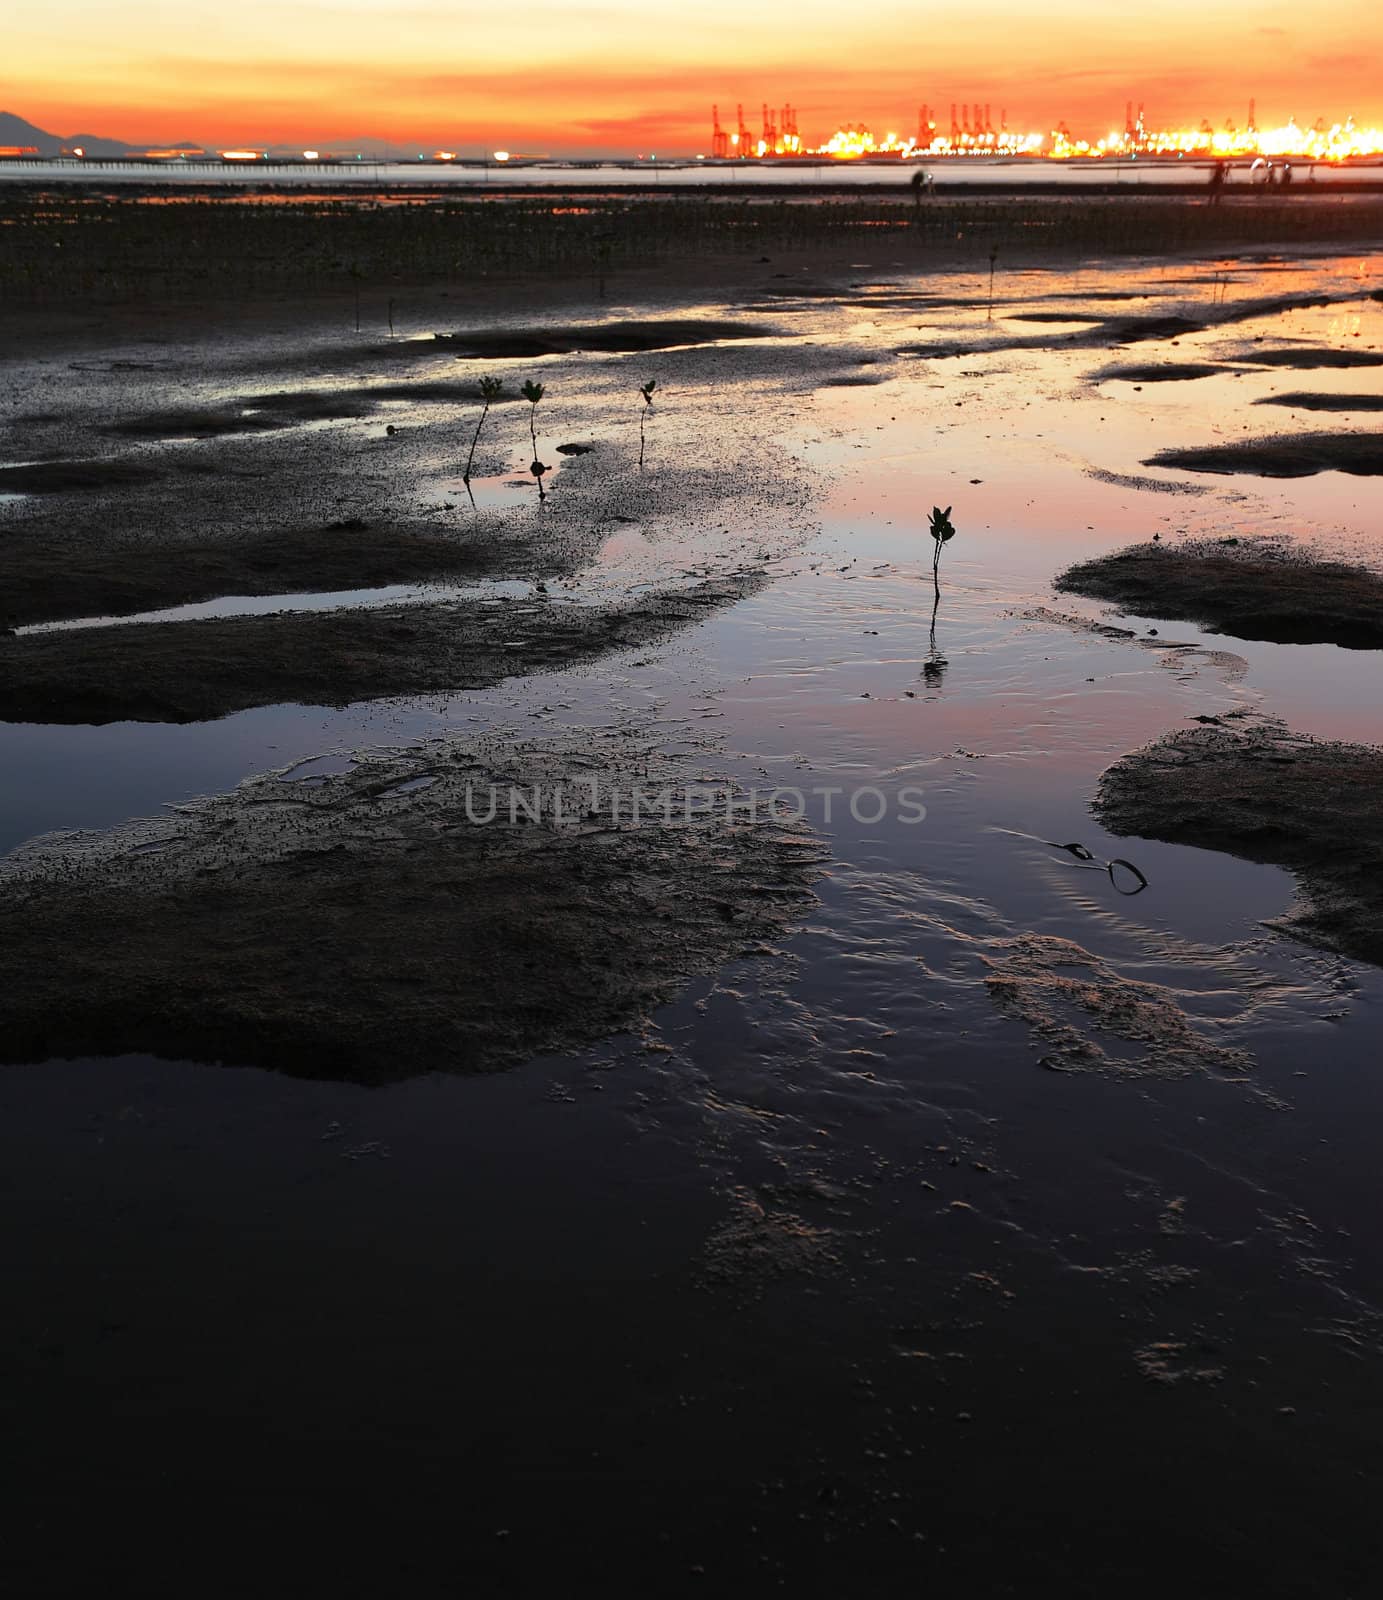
[1256, 789]
[460, 908]
[199, 671]
[1298, 455]
[1252, 589]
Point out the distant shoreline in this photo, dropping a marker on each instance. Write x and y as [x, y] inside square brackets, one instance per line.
[952, 174]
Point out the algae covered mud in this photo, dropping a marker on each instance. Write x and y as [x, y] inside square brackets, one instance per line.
[881, 1123]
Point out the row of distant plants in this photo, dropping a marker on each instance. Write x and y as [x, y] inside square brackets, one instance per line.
[492, 389]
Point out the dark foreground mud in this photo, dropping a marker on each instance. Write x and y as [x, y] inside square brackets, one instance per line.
[63, 477]
[617, 337]
[1307, 401]
[41, 582]
[1252, 591]
[199, 671]
[1303, 359]
[254, 414]
[382, 923]
[1165, 372]
[1299, 455]
[1264, 793]
[267, 413]
[211, 519]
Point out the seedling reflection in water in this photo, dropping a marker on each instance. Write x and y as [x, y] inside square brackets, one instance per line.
[533, 393]
[647, 392]
[934, 667]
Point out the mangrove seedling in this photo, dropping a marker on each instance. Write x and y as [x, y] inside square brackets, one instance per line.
[490, 391]
[357, 278]
[647, 392]
[942, 532]
[533, 393]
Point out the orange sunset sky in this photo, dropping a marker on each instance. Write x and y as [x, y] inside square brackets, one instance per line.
[627, 76]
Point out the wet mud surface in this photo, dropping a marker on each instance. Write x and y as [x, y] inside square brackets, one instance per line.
[1166, 372]
[199, 671]
[1298, 455]
[621, 337]
[854, 1187]
[1302, 360]
[1325, 402]
[255, 414]
[196, 514]
[455, 909]
[1251, 590]
[1258, 790]
[43, 584]
[59, 477]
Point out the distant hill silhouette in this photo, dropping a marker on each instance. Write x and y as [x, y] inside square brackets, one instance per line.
[15, 130]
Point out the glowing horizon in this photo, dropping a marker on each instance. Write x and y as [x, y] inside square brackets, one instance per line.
[620, 77]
